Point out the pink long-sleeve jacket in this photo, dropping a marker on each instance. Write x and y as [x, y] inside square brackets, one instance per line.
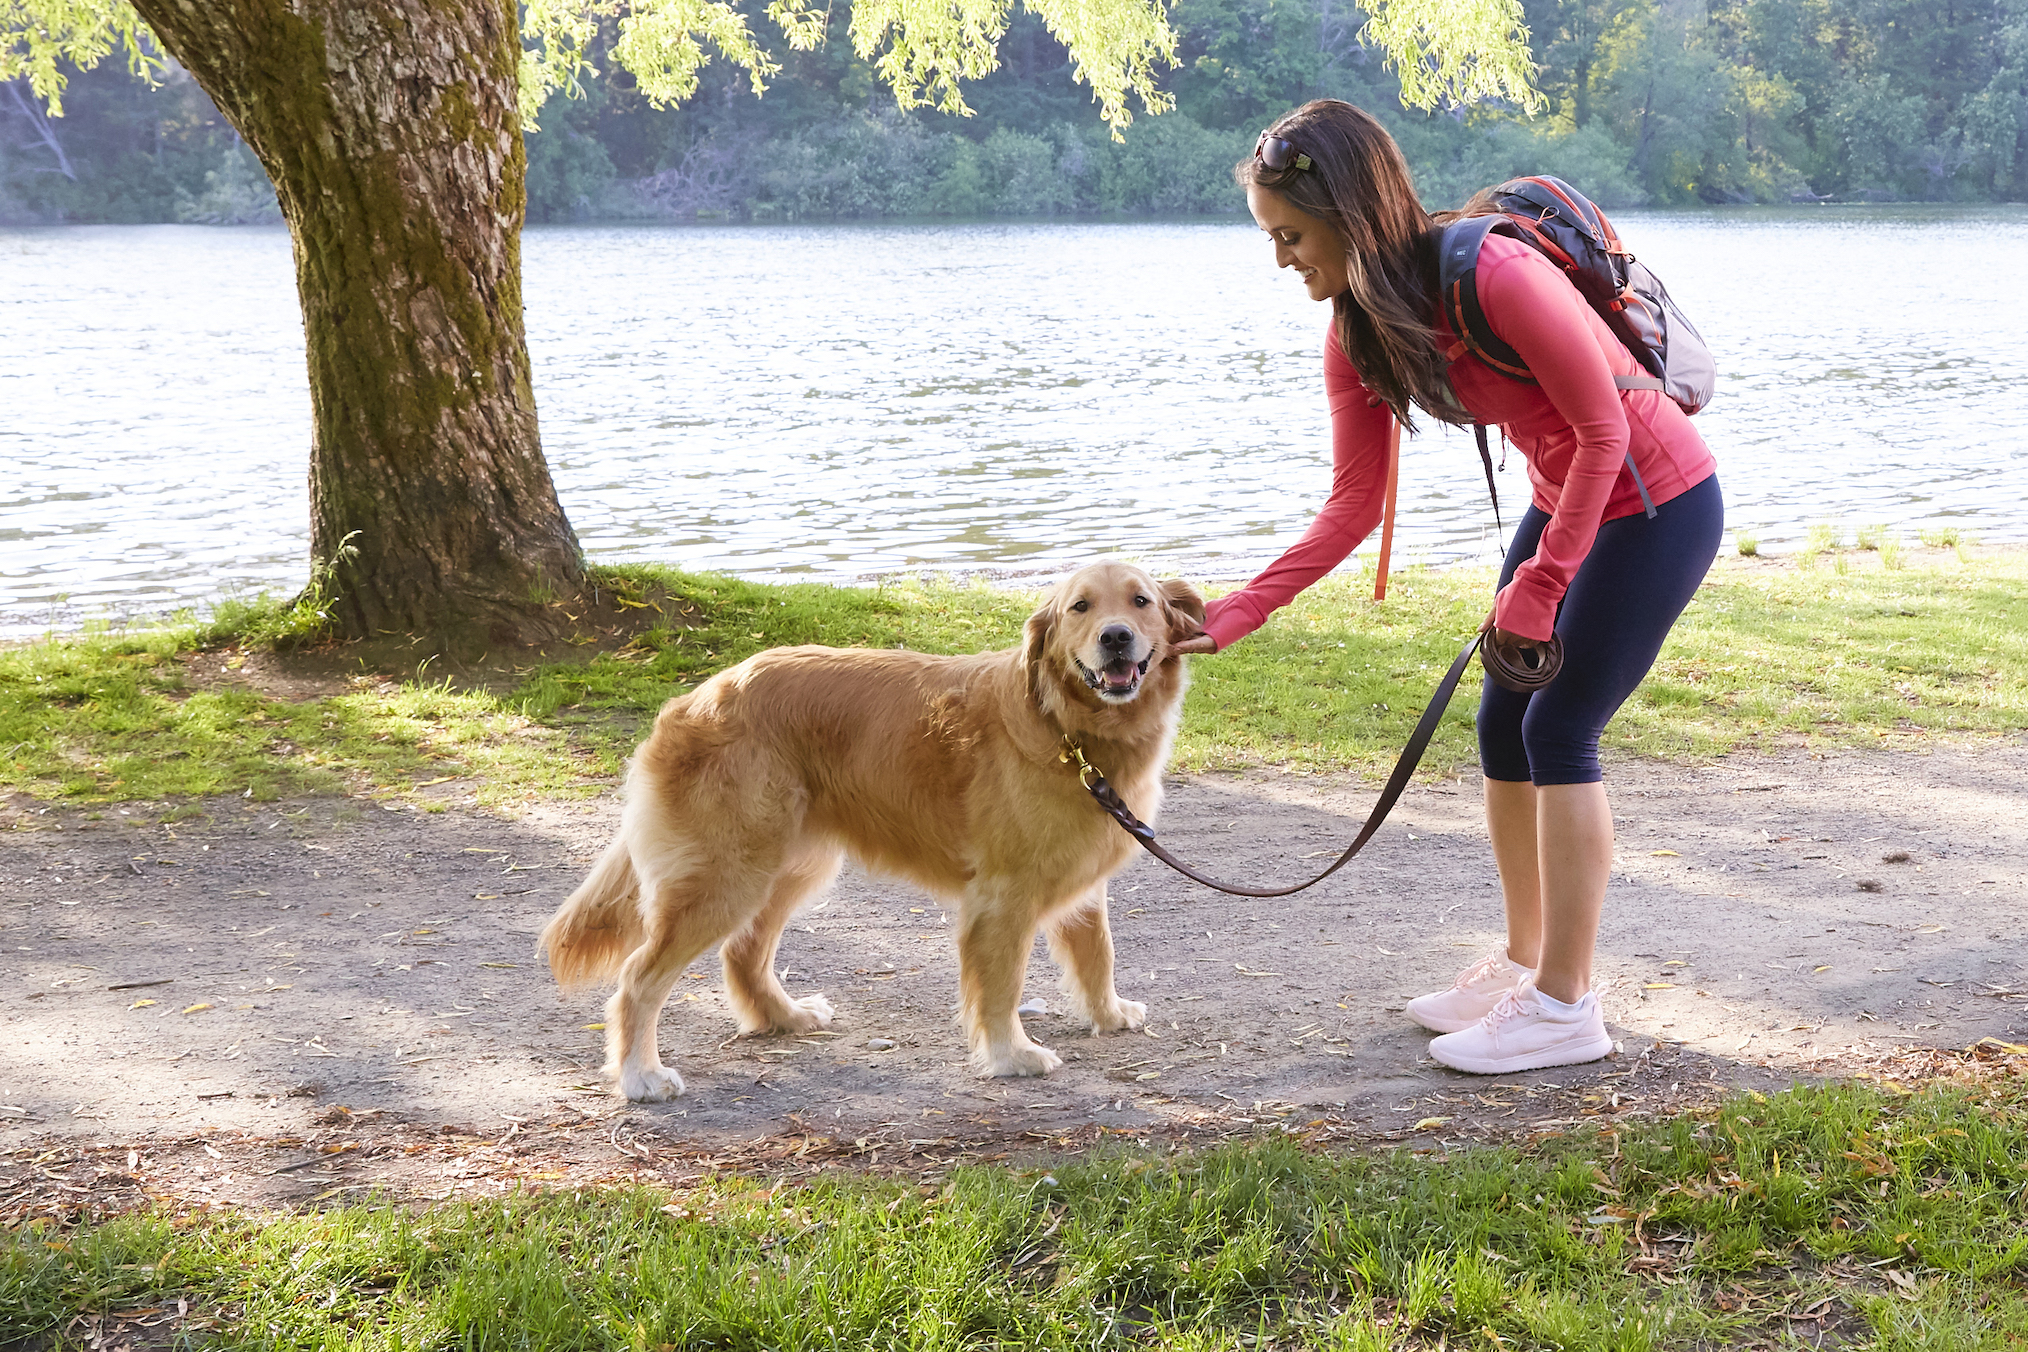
[1574, 427]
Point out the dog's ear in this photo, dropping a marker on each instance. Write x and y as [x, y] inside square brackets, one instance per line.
[1035, 635]
[1185, 609]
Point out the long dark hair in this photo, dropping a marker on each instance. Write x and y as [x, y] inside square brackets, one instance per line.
[1358, 183]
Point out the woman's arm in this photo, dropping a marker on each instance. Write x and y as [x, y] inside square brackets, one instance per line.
[1540, 315]
[1359, 427]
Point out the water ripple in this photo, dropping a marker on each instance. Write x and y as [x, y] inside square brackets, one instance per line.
[844, 401]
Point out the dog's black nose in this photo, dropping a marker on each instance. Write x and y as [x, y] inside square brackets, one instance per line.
[1117, 636]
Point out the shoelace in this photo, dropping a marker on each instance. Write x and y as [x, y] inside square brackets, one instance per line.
[1509, 1007]
[1480, 970]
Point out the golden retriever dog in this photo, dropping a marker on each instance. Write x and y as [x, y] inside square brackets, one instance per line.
[942, 770]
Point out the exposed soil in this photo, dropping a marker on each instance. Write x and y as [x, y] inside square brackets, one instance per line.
[228, 994]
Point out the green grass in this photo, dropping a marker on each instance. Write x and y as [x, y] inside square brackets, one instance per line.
[1888, 646]
[100, 717]
[1903, 1210]
[1765, 656]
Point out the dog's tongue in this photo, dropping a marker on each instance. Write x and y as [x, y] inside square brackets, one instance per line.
[1120, 675]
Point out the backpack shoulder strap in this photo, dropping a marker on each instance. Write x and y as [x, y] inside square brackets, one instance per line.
[1458, 294]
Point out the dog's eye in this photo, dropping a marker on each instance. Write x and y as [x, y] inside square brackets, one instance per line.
[1140, 600]
[1080, 606]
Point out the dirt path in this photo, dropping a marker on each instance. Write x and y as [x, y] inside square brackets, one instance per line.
[333, 962]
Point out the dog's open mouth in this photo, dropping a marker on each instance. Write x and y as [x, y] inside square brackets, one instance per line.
[1117, 679]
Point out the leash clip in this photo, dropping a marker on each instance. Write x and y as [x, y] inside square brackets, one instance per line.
[1086, 771]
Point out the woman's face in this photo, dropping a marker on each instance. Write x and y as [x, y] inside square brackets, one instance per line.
[1302, 242]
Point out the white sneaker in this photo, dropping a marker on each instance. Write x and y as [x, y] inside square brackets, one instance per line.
[1472, 997]
[1521, 1034]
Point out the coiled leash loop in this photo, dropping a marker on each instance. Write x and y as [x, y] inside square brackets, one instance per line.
[1523, 665]
[1108, 797]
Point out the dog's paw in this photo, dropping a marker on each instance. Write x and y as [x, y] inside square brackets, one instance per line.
[652, 1084]
[806, 1015]
[1124, 1016]
[1030, 1059]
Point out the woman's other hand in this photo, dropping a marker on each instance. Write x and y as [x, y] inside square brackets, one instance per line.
[1197, 643]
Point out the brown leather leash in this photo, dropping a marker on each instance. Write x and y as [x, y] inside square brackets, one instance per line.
[1519, 664]
[1404, 766]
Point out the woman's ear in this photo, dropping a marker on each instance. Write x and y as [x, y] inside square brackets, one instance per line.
[1185, 607]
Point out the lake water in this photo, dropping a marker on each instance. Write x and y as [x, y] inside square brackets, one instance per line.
[852, 401]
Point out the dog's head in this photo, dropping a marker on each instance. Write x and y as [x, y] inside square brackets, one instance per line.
[1106, 625]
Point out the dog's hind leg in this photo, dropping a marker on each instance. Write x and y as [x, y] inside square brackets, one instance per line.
[685, 915]
[995, 933]
[1081, 941]
[748, 957]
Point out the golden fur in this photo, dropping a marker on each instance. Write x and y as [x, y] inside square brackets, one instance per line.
[942, 770]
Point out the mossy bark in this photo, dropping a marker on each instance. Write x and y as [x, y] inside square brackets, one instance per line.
[390, 130]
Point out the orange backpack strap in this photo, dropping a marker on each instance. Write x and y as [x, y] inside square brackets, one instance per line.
[1387, 512]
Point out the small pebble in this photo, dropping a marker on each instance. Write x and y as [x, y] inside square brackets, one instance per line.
[1033, 1006]
[879, 1044]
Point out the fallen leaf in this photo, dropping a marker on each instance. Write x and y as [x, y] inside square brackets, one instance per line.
[1665, 854]
[594, 1027]
[1661, 986]
[140, 1004]
[1429, 1123]
[1825, 968]
[195, 1008]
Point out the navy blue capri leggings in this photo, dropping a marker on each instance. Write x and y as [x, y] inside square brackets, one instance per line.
[1626, 595]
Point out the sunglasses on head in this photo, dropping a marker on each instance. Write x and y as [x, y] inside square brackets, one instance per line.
[1278, 154]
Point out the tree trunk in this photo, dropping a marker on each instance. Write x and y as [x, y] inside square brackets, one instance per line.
[390, 131]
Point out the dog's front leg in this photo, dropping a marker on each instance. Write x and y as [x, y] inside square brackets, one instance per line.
[995, 932]
[1081, 941]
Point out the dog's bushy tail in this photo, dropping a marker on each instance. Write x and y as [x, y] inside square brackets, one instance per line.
[593, 931]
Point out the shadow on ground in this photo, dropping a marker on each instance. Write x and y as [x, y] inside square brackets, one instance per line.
[315, 972]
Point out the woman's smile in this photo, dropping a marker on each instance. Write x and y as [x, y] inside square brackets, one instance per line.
[1304, 242]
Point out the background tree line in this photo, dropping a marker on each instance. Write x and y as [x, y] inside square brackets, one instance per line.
[1649, 101]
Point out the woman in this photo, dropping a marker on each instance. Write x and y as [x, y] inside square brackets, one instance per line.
[1330, 188]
